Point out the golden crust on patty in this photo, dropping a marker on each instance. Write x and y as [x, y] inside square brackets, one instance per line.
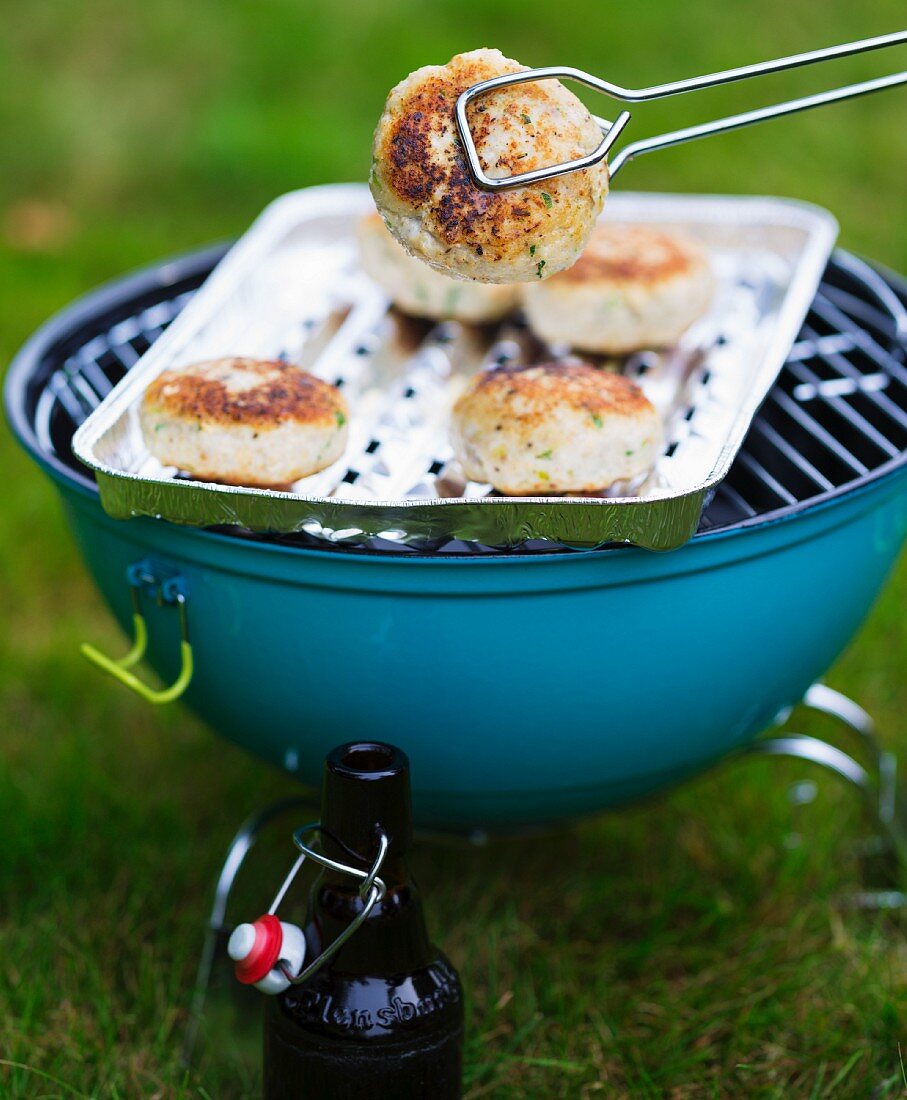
[533, 392]
[635, 286]
[422, 185]
[244, 421]
[622, 253]
[561, 427]
[255, 392]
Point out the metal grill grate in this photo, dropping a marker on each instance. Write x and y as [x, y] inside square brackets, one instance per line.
[837, 414]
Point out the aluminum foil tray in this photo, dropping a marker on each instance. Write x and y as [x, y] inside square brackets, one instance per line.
[292, 288]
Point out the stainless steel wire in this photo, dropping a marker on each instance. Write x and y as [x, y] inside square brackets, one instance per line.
[371, 890]
[612, 130]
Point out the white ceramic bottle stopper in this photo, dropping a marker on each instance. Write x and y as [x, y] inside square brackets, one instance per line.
[256, 949]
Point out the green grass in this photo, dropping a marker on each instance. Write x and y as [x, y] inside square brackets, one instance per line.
[680, 949]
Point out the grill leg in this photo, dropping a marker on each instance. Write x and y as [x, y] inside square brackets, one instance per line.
[883, 802]
[239, 848]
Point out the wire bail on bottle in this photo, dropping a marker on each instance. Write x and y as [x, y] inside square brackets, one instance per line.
[269, 953]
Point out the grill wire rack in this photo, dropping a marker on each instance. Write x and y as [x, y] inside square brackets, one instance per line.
[837, 414]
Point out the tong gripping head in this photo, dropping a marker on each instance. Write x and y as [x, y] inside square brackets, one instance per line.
[610, 130]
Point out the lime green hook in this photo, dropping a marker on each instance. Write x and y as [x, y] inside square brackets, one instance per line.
[119, 672]
[120, 668]
[140, 643]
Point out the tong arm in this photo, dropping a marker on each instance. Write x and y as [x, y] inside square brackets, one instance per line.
[612, 130]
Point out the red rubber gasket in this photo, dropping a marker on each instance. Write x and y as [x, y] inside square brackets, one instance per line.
[264, 954]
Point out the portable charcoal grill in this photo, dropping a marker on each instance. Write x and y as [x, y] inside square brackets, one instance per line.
[535, 684]
[531, 685]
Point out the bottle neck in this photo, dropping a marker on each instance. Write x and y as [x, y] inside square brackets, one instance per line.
[366, 792]
[393, 938]
[366, 795]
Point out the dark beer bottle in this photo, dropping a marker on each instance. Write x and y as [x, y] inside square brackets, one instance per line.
[384, 1017]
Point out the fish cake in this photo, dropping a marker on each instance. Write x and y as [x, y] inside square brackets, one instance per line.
[244, 421]
[421, 291]
[559, 427]
[635, 286]
[422, 186]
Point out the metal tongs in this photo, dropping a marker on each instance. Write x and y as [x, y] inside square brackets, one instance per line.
[612, 130]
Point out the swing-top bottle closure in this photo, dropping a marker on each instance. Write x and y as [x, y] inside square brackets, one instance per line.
[269, 953]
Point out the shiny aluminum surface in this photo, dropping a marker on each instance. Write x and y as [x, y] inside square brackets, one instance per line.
[292, 288]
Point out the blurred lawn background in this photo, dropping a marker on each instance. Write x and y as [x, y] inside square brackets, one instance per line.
[686, 948]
